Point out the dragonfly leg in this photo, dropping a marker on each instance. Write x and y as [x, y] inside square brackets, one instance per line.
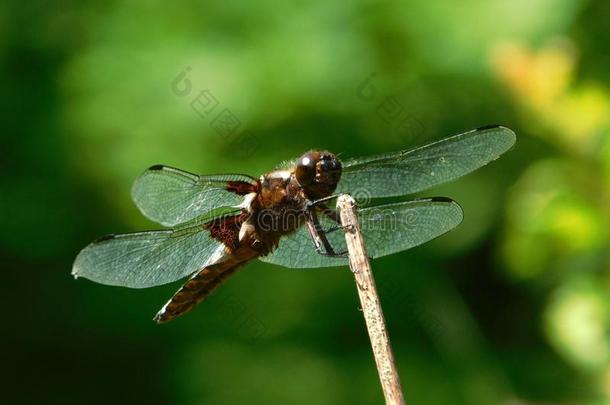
[336, 228]
[332, 214]
[321, 201]
[340, 255]
[320, 241]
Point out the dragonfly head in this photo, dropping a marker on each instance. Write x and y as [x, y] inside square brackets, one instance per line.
[318, 172]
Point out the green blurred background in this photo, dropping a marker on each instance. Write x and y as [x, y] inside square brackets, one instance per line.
[510, 308]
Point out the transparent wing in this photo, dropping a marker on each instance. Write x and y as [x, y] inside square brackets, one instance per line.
[411, 171]
[171, 196]
[387, 229]
[146, 259]
[297, 250]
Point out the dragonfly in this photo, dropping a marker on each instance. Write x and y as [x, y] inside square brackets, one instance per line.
[215, 224]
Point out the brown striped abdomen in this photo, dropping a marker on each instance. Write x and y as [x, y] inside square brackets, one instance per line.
[199, 287]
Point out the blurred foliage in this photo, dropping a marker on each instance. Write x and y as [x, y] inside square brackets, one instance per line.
[510, 308]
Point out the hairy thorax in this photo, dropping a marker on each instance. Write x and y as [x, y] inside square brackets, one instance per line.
[276, 210]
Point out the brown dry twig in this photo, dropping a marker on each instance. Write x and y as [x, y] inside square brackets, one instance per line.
[371, 307]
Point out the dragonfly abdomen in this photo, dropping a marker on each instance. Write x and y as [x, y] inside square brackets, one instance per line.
[203, 283]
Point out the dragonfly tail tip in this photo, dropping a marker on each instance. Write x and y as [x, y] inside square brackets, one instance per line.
[159, 318]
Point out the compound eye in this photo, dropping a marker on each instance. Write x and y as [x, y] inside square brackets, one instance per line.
[331, 164]
[306, 168]
[330, 169]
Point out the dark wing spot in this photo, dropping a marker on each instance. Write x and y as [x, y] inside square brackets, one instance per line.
[226, 229]
[440, 199]
[241, 187]
[156, 167]
[104, 238]
[487, 127]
